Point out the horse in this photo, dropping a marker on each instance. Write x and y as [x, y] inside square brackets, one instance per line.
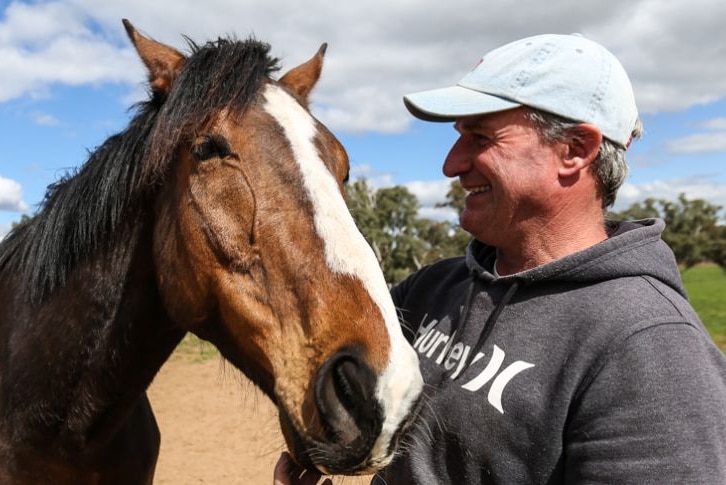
[219, 210]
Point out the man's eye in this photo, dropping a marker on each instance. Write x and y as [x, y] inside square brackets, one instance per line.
[482, 140]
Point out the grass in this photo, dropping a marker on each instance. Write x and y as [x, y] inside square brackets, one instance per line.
[196, 349]
[706, 286]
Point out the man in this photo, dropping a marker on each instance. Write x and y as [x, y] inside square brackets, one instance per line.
[562, 348]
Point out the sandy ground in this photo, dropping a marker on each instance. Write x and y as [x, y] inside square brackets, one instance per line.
[216, 427]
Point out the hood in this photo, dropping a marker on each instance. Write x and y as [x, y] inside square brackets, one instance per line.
[633, 248]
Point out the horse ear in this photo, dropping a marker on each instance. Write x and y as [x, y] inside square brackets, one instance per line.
[302, 79]
[163, 62]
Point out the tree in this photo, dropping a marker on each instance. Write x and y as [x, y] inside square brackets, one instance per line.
[400, 245]
[719, 250]
[403, 242]
[23, 219]
[693, 230]
[386, 218]
[443, 239]
[455, 197]
[361, 200]
[458, 238]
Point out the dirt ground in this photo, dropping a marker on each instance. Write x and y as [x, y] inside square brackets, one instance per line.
[216, 427]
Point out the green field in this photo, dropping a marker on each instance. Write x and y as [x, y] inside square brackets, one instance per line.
[706, 286]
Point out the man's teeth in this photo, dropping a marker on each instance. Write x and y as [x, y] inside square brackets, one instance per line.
[480, 189]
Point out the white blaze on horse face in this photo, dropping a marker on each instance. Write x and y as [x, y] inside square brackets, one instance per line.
[347, 252]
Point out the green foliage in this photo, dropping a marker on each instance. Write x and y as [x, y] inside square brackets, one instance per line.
[402, 241]
[23, 219]
[718, 254]
[196, 349]
[455, 197]
[706, 286]
[693, 229]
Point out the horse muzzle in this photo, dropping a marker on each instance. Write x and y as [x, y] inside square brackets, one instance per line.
[352, 416]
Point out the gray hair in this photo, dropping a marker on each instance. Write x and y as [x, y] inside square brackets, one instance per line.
[610, 168]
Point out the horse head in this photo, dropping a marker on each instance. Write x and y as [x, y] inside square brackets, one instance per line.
[256, 251]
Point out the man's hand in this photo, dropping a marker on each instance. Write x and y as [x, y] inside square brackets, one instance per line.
[287, 472]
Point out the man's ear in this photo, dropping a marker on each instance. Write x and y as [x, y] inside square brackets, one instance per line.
[582, 149]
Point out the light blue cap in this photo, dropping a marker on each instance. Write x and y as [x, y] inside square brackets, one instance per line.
[567, 75]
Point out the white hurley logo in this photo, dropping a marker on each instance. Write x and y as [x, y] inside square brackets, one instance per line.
[434, 344]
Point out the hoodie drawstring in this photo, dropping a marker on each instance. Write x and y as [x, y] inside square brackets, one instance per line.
[491, 319]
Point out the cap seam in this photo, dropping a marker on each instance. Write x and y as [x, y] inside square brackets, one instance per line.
[523, 76]
[599, 93]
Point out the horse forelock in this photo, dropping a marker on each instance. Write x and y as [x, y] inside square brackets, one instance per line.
[221, 75]
[99, 204]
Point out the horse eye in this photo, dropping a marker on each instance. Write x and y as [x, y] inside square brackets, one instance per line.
[210, 146]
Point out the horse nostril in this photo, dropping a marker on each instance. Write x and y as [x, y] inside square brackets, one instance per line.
[350, 385]
[345, 395]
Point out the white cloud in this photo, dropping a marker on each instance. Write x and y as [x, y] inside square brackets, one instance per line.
[438, 213]
[47, 43]
[429, 193]
[11, 196]
[714, 124]
[378, 50]
[713, 140]
[45, 119]
[375, 179]
[672, 51]
[702, 187]
[699, 143]
[33, 25]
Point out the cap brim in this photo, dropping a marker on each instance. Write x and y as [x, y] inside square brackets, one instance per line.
[447, 104]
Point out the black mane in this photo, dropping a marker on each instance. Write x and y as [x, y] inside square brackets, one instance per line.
[85, 211]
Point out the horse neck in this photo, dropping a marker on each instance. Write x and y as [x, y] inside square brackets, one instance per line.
[103, 336]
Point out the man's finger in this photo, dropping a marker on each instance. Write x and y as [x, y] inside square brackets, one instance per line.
[287, 472]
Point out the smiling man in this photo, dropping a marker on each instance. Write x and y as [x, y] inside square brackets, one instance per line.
[520, 185]
[562, 347]
[582, 359]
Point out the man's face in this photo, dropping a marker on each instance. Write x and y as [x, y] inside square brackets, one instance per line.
[509, 172]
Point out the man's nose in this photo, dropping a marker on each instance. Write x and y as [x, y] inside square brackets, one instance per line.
[458, 161]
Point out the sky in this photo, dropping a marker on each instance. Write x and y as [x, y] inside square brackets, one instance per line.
[68, 77]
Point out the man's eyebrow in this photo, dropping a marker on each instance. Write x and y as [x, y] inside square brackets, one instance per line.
[470, 124]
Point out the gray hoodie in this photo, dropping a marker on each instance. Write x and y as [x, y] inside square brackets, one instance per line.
[591, 369]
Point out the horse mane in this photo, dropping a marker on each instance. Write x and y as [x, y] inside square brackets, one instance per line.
[97, 205]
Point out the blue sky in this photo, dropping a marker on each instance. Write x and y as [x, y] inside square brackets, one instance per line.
[70, 76]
